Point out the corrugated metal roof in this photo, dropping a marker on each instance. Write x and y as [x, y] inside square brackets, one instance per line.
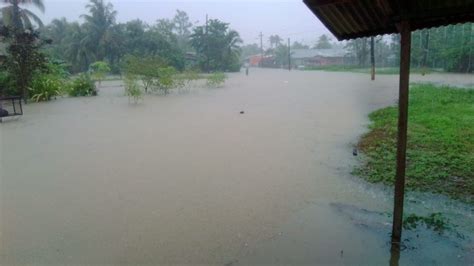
[310, 53]
[349, 19]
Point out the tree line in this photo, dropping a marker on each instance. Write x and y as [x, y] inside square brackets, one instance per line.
[34, 50]
[212, 47]
[449, 48]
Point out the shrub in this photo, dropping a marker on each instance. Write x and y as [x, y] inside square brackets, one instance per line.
[146, 69]
[167, 79]
[132, 89]
[46, 86]
[216, 80]
[57, 68]
[83, 86]
[187, 77]
[7, 84]
[99, 70]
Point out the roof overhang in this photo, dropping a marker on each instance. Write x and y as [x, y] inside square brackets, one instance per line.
[350, 19]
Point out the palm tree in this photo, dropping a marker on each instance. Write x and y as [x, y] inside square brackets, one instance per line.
[233, 49]
[98, 24]
[77, 52]
[21, 18]
[275, 40]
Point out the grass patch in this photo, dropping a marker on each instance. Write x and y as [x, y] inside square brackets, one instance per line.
[440, 152]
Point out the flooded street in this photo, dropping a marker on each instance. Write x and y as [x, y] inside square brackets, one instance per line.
[186, 179]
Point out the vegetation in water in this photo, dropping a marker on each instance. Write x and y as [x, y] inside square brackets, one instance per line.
[45, 87]
[83, 85]
[132, 89]
[99, 70]
[216, 80]
[434, 221]
[166, 80]
[440, 149]
[49, 82]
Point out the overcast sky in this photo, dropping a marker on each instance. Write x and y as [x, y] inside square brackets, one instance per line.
[288, 18]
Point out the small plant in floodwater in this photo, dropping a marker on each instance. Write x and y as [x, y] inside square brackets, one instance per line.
[83, 86]
[216, 80]
[132, 89]
[99, 70]
[434, 221]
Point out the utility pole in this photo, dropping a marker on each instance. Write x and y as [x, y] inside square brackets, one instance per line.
[207, 44]
[261, 49]
[289, 55]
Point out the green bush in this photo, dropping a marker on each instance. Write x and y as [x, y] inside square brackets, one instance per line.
[57, 68]
[132, 89]
[44, 87]
[216, 80]
[167, 79]
[145, 69]
[99, 70]
[83, 86]
[187, 78]
[7, 84]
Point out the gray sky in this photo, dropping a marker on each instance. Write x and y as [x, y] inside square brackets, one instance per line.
[288, 18]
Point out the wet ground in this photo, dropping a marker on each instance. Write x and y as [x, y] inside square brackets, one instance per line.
[185, 178]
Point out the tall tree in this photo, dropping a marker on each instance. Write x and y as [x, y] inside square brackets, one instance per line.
[323, 42]
[219, 45]
[275, 41]
[182, 27]
[297, 45]
[98, 23]
[249, 49]
[21, 18]
[77, 52]
[359, 49]
[24, 57]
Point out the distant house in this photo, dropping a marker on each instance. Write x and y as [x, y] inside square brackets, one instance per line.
[261, 61]
[254, 60]
[318, 57]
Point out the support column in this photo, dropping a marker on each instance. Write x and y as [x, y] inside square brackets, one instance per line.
[405, 46]
[372, 58]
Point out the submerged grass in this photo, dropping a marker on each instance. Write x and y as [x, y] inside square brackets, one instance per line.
[440, 152]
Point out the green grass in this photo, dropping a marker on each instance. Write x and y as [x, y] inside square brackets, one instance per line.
[440, 153]
[378, 70]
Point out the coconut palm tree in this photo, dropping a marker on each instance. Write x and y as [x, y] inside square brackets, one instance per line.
[275, 40]
[21, 18]
[98, 25]
[78, 52]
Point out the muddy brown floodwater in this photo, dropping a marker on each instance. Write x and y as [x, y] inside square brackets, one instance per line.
[186, 179]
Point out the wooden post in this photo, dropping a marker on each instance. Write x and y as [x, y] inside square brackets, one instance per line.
[405, 46]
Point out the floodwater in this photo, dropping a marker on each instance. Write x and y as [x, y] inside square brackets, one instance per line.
[185, 178]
